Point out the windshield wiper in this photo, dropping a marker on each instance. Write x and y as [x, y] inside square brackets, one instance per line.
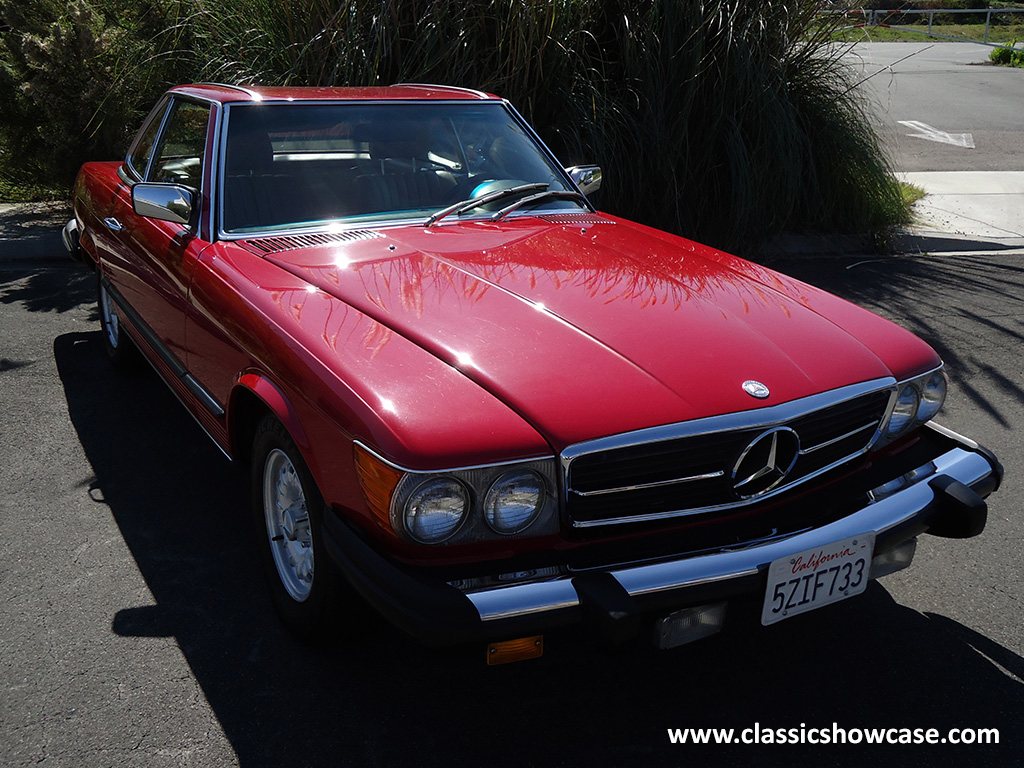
[553, 194]
[490, 197]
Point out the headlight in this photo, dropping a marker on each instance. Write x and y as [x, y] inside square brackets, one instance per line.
[513, 501]
[933, 394]
[461, 506]
[917, 401]
[904, 412]
[435, 510]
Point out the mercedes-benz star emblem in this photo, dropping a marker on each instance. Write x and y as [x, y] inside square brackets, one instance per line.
[756, 389]
[765, 462]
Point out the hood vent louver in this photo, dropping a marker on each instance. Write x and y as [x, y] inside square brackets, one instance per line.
[268, 245]
[575, 218]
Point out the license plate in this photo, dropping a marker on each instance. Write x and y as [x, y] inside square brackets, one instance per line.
[815, 577]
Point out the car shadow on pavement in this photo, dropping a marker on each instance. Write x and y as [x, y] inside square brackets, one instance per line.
[925, 294]
[47, 290]
[386, 700]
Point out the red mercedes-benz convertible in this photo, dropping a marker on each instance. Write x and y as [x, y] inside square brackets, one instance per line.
[488, 409]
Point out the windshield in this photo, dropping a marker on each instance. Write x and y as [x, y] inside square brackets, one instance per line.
[290, 166]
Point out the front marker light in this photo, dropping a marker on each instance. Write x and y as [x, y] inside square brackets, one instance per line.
[514, 501]
[904, 412]
[933, 394]
[435, 510]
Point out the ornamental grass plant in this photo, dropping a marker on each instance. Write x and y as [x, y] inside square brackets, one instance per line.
[723, 120]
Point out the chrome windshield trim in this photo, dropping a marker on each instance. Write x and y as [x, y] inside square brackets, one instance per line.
[662, 483]
[221, 159]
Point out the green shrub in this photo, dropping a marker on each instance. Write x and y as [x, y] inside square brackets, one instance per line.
[74, 80]
[1008, 57]
[725, 120]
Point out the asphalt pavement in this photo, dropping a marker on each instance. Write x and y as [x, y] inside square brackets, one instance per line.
[136, 633]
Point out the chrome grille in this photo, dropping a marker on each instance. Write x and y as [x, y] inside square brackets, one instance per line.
[687, 469]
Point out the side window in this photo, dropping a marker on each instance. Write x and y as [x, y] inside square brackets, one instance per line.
[180, 157]
[138, 160]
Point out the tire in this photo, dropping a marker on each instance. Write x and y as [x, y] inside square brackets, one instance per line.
[288, 511]
[118, 344]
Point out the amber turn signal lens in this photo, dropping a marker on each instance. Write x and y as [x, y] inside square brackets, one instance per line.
[378, 481]
[515, 650]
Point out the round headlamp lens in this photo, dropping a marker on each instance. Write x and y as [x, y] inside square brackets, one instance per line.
[435, 510]
[514, 501]
[904, 413]
[933, 395]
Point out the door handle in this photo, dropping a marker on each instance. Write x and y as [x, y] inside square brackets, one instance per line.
[113, 224]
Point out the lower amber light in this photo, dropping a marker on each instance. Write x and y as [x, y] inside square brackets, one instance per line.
[515, 650]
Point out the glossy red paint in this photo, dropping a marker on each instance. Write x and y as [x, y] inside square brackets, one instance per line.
[594, 330]
[469, 343]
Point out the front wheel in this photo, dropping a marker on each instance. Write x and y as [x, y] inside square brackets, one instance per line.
[288, 518]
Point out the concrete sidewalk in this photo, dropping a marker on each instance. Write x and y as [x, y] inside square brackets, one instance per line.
[968, 211]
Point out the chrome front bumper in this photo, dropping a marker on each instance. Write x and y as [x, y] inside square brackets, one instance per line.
[967, 466]
[71, 238]
[943, 497]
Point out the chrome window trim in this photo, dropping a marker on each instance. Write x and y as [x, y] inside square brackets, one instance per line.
[221, 160]
[217, 113]
[529, 130]
[172, 107]
[158, 115]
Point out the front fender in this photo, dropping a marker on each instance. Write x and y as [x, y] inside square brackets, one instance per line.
[274, 400]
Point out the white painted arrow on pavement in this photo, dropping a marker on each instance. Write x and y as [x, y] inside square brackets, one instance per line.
[928, 133]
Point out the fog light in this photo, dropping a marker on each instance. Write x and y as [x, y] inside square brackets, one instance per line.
[688, 625]
[894, 560]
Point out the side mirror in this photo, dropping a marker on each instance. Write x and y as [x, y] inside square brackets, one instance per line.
[586, 177]
[167, 202]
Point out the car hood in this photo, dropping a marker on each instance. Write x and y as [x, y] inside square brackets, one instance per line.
[599, 326]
